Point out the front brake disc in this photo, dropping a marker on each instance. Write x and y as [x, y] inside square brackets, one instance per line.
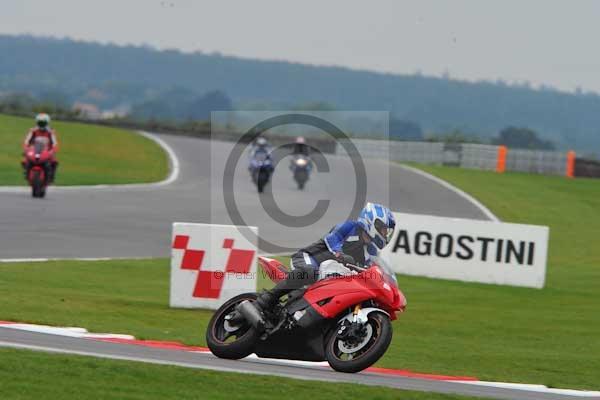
[353, 348]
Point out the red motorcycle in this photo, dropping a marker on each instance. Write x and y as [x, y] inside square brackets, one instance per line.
[344, 320]
[38, 158]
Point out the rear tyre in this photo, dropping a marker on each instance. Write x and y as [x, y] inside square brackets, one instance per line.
[220, 332]
[356, 356]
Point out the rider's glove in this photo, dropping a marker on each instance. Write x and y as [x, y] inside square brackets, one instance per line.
[345, 258]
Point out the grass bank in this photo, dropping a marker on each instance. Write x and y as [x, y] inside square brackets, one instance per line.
[88, 154]
[27, 375]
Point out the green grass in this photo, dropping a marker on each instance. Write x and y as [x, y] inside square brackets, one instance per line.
[118, 296]
[549, 336]
[27, 375]
[88, 154]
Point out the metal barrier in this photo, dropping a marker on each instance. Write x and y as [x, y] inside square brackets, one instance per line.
[479, 156]
[536, 162]
[465, 155]
[587, 168]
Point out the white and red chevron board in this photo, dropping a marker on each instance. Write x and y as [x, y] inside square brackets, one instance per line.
[211, 263]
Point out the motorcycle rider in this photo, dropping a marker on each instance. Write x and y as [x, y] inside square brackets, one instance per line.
[300, 147]
[261, 145]
[300, 150]
[42, 129]
[352, 242]
[261, 149]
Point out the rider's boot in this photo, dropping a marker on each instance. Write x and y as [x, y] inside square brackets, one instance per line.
[266, 300]
[295, 279]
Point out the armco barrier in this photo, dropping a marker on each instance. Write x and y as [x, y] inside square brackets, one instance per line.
[479, 156]
[587, 168]
[536, 162]
[467, 155]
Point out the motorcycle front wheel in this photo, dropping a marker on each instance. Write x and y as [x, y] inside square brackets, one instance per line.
[356, 354]
[36, 184]
[232, 340]
[263, 179]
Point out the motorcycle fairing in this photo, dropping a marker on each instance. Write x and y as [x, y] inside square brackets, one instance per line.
[332, 296]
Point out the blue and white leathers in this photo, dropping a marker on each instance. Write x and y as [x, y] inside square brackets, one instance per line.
[349, 231]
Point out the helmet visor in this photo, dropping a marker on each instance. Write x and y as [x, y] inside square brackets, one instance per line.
[384, 230]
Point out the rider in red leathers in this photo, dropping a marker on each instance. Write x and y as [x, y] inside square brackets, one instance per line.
[42, 129]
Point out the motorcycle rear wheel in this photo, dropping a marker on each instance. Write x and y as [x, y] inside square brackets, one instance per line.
[340, 357]
[217, 332]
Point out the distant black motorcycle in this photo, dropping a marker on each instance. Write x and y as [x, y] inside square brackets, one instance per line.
[301, 166]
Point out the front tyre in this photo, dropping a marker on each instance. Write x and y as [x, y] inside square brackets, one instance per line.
[232, 340]
[263, 179]
[36, 184]
[361, 351]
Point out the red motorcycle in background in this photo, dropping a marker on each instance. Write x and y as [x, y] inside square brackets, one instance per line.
[37, 160]
[344, 320]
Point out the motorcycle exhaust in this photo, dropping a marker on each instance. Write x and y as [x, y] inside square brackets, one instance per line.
[251, 314]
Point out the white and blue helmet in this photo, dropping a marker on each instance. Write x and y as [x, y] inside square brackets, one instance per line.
[378, 223]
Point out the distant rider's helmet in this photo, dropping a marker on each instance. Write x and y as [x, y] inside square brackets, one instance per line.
[261, 142]
[378, 223]
[300, 146]
[42, 121]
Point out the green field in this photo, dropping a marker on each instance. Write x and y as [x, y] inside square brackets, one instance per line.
[548, 336]
[27, 375]
[88, 154]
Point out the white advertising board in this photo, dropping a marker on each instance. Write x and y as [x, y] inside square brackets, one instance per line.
[211, 264]
[469, 250]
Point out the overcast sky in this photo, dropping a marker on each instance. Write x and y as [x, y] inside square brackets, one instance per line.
[543, 42]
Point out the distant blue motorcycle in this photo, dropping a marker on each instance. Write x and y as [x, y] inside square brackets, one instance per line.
[261, 168]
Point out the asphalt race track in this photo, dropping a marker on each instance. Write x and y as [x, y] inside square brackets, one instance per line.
[61, 344]
[136, 221]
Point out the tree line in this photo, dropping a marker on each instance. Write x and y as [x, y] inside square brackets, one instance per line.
[194, 119]
[170, 85]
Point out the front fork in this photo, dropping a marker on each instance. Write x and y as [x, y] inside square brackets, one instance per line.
[349, 329]
[355, 313]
